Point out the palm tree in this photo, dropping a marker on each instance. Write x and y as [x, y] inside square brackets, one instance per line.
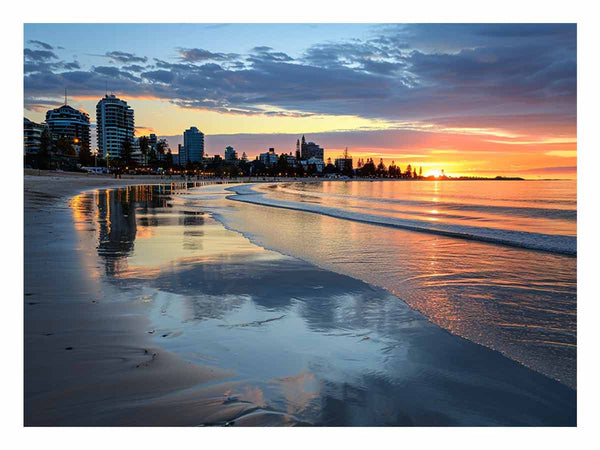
[144, 148]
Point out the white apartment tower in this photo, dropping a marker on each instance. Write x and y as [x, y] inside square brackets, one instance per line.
[115, 124]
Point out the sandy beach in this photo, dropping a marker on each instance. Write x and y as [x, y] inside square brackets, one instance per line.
[140, 310]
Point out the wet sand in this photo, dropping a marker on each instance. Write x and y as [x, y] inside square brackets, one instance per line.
[88, 356]
[142, 311]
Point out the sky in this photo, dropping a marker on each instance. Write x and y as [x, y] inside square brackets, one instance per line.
[472, 99]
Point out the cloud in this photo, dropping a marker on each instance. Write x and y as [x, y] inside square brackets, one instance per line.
[562, 169]
[266, 54]
[133, 68]
[40, 44]
[428, 73]
[452, 37]
[39, 55]
[40, 104]
[43, 61]
[141, 130]
[160, 76]
[199, 55]
[124, 57]
[114, 72]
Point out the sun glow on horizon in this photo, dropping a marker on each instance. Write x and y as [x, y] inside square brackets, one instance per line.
[433, 173]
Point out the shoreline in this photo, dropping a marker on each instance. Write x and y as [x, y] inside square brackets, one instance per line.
[418, 229]
[181, 384]
[58, 353]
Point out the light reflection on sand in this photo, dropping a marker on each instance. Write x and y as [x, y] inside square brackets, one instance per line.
[318, 346]
[464, 286]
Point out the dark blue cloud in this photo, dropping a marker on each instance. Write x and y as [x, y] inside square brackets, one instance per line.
[114, 72]
[44, 61]
[125, 57]
[404, 72]
[457, 36]
[200, 55]
[39, 55]
[260, 54]
[161, 76]
[133, 68]
[40, 44]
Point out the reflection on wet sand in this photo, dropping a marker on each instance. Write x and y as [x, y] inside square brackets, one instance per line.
[470, 288]
[305, 345]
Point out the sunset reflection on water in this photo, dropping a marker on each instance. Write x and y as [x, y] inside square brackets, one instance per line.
[310, 344]
[520, 302]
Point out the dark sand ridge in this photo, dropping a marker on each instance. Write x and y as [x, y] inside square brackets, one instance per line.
[89, 359]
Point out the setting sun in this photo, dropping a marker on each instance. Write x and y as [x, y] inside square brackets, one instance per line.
[434, 173]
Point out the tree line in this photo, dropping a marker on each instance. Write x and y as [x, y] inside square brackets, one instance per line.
[368, 169]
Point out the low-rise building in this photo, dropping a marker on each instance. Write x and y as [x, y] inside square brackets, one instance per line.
[318, 163]
[291, 160]
[343, 164]
[269, 159]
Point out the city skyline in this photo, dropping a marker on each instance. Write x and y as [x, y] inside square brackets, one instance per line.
[473, 99]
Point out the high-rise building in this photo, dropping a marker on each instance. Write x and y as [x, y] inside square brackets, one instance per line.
[181, 157]
[70, 123]
[32, 132]
[115, 125]
[310, 150]
[230, 154]
[193, 146]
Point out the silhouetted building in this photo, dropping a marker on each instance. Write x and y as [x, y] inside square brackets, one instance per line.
[230, 154]
[70, 123]
[269, 158]
[310, 150]
[32, 132]
[193, 146]
[318, 164]
[291, 160]
[115, 125]
[345, 162]
[152, 141]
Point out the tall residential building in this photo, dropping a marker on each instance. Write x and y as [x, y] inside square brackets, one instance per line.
[181, 156]
[70, 123]
[310, 150]
[193, 146]
[32, 133]
[230, 154]
[115, 124]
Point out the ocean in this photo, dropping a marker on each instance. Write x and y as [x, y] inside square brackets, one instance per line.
[493, 262]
